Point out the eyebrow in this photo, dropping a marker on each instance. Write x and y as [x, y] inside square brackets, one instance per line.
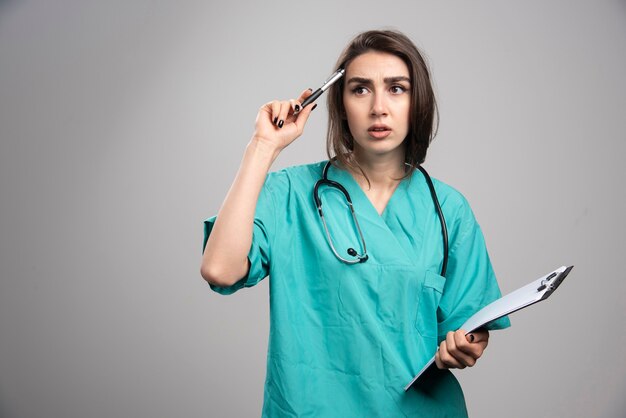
[388, 80]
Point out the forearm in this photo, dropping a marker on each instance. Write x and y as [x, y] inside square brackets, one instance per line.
[225, 256]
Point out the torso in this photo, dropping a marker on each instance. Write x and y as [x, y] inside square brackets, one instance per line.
[335, 326]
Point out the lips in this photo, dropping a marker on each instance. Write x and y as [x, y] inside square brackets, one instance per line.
[379, 131]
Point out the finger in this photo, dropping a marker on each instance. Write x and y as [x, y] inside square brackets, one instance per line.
[454, 349]
[303, 117]
[295, 106]
[438, 361]
[480, 340]
[306, 93]
[478, 336]
[448, 360]
[275, 111]
[285, 106]
[304, 113]
[473, 350]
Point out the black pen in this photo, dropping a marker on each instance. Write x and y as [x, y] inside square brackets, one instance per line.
[317, 93]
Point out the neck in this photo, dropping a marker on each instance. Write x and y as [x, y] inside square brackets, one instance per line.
[382, 172]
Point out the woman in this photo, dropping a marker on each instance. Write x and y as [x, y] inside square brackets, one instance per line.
[347, 336]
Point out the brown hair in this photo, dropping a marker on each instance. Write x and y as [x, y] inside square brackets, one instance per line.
[423, 114]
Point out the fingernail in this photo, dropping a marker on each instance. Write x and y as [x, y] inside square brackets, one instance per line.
[472, 338]
[280, 124]
[314, 106]
[297, 108]
[310, 89]
[275, 120]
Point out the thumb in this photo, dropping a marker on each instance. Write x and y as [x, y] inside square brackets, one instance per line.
[477, 336]
[303, 116]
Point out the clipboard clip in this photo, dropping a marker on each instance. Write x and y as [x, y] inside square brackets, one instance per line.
[558, 277]
[546, 280]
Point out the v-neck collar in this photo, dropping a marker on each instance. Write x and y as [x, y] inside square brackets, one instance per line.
[382, 243]
[357, 193]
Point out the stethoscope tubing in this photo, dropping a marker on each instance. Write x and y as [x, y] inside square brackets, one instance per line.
[442, 220]
[362, 257]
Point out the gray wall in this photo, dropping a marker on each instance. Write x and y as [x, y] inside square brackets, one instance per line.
[122, 125]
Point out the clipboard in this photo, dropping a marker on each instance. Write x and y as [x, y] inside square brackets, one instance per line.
[528, 295]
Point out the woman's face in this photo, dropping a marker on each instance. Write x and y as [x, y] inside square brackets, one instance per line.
[377, 97]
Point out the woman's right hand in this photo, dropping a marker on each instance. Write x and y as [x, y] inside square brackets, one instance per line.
[277, 126]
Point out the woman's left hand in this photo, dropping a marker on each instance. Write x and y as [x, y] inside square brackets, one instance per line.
[459, 351]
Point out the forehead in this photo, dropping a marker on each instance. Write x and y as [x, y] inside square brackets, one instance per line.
[375, 64]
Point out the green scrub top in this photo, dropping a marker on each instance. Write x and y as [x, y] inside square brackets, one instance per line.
[346, 339]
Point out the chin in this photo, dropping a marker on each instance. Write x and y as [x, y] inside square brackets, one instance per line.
[378, 146]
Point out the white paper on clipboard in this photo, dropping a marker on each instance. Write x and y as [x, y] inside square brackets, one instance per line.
[530, 294]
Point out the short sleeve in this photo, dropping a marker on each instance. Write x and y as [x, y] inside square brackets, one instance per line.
[470, 281]
[259, 254]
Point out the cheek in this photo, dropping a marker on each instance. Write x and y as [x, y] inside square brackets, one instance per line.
[351, 114]
[347, 107]
[350, 121]
[406, 113]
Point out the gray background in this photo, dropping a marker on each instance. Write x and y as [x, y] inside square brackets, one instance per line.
[122, 125]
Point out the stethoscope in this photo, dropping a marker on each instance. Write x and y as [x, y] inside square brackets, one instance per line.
[361, 258]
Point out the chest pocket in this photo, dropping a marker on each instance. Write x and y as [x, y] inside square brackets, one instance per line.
[429, 298]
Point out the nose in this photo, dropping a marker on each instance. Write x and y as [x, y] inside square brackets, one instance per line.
[379, 105]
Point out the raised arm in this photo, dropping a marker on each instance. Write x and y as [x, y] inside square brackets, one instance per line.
[225, 260]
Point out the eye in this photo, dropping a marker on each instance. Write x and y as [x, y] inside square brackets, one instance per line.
[398, 89]
[359, 90]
